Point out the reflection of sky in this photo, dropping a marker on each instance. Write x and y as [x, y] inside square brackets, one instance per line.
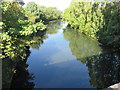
[60, 4]
[55, 50]
[54, 66]
[63, 54]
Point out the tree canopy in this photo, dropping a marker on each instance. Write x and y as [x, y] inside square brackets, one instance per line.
[98, 20]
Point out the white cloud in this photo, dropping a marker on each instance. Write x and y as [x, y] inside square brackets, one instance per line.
[60, 4]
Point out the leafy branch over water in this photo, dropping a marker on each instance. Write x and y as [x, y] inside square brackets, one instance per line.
[20, 30]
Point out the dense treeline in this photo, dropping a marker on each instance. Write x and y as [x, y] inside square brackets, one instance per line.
[20, 23]
[98, 20]
[42, 13]
[15, 26]
[18, 34]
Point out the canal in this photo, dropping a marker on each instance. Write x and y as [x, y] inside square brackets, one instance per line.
[68, 59]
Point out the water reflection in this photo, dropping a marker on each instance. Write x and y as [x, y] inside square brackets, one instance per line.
[60, 59]
[81, 46]
[15, 73]
[14, 67]
[21, 78]
[104, 69]
[103, 64]
[53, 27]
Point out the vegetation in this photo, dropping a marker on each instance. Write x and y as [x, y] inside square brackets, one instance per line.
[43, 13]
[14, 27]
[20, 30]
[98, 20]
[18, 23]
[23, 28]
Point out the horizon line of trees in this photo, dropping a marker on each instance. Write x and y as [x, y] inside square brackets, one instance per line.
[43, 13]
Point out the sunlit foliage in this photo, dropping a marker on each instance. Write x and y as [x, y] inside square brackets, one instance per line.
[42, 13]
[15, 25]
[98, 20]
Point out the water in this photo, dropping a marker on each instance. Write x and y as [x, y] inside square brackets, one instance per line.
[60, 62]
[67, 59]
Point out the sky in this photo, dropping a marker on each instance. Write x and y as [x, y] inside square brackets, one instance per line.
[60, 4]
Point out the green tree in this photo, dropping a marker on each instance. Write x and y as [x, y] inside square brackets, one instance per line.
[43, 13]
[99, 20]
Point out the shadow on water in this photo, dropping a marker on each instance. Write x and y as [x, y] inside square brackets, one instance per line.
[104, 69]
[21, 78]
[14, 69]
[103, 63]
[15, 73]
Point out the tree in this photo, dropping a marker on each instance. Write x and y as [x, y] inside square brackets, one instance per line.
[99, 20]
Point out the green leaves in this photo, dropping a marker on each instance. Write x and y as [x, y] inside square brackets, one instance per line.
[42, 13]
[15, 26]
[98, 20]
[30, 28]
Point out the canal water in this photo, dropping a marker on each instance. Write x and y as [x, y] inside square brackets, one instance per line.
[68, 59]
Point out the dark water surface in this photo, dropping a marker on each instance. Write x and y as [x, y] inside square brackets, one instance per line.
[67, 59]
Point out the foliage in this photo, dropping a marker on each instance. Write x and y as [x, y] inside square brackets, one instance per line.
[110, 33]
[15, 54]
[20, 30]
[13, 70]
[15, 25]
[42, 13]
[98, 20]
[84, 17]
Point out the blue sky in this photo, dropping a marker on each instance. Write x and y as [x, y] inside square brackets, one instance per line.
[60, 4]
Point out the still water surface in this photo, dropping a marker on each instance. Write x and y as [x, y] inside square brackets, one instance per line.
[61, 57]
[68, 59]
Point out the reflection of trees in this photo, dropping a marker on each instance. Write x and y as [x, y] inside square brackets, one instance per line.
[36, 40]
[104, 69]
[14, 67]
[81, 46]
[15, 72]
[53, 27]
[22, 76]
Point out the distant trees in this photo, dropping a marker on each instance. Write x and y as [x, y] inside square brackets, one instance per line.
[43, 13]
[98, 20]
